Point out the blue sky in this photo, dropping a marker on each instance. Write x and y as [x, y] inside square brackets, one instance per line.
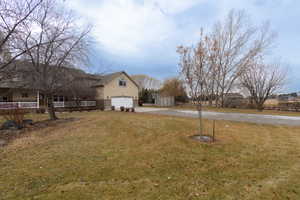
[141, 36]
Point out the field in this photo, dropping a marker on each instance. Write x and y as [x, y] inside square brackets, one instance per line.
[113, 155]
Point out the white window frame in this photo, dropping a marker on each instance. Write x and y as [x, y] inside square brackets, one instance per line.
[122, 81]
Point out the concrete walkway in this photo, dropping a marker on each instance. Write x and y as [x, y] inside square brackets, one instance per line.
[240, 117]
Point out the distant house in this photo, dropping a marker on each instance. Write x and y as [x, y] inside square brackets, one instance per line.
[103, 91]
[233, 100]
[288, 97]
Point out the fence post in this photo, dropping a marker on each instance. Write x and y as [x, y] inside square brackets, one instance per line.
[214, 129]
[38, 100]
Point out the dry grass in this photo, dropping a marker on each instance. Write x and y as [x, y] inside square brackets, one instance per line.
[33, 116]
[111, 155]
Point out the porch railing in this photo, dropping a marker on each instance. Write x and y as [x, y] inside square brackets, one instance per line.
[88, 103]
[59, 104]
[34, 105]
[15, 105]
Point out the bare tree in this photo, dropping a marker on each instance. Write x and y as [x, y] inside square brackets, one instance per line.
[235, 43]
[55, 44]
[82, 88]
[147, 82]
[174, 87]
[192, 65]
[262, 80]
[14, 15]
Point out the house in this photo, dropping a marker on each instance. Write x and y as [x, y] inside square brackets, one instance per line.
[288, 97]
[24, 89]
[101, 91]
[116, 89]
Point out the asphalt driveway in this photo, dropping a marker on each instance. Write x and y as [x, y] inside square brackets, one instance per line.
[239, 117]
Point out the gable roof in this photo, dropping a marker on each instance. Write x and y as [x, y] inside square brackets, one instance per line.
[110, 77]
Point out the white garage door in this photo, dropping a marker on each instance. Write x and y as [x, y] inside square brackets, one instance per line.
[126, 102]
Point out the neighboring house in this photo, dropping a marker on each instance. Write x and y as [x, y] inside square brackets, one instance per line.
[103, 91]
[234, 100]
[288, 97]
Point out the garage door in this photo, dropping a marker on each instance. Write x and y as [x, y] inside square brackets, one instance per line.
[126, 102]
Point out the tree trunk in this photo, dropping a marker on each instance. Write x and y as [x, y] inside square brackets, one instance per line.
[210, 103]
[210, 100]
[222, 101]
[260, 107]
[51, 109]
[199, 108]
[217, 101]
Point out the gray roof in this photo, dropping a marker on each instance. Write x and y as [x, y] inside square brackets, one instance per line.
[105, 79]
[23, 79]
[22, 75]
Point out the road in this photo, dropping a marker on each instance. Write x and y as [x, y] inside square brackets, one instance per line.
[239, 117]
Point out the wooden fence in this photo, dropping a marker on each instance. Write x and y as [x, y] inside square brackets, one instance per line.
[164, 101]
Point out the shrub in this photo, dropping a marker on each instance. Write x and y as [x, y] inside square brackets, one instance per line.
[16, 115]
[292, 106]
[235, 103]
[122, 108]
[41, 110]
[140, 102]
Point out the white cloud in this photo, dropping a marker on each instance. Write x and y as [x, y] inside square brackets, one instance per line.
[174, 6]
[137, 29]
[129, 27]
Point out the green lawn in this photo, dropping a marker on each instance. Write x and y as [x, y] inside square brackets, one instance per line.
[113, 155]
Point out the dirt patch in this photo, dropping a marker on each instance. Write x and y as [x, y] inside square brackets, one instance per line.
[203, 138]
[6, 136]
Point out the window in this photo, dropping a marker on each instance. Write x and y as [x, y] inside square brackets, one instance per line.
[3, 99]
[24, 95]
[122, 83]
[61, 98]
[58, 98]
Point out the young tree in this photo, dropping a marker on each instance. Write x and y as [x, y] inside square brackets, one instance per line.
[55, 44]
[262, 80]
[192, 66]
